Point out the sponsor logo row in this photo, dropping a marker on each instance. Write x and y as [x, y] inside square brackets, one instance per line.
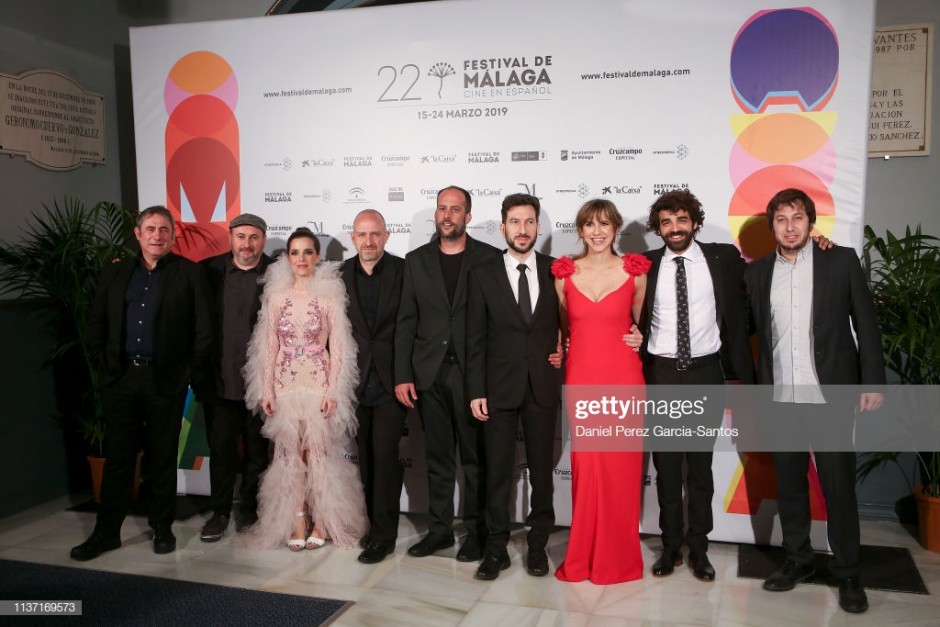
[616, 153]
[363, 196]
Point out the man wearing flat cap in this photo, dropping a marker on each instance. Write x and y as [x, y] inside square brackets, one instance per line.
[234, 298]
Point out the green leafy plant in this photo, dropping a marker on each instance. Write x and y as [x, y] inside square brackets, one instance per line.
[904, 276]
[56, 264]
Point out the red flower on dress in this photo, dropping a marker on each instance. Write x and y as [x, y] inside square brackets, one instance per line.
[563, 267]
[636, 264]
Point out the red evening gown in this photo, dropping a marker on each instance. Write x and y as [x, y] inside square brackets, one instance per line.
[604, 542]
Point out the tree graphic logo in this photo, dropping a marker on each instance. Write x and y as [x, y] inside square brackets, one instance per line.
[441, 70]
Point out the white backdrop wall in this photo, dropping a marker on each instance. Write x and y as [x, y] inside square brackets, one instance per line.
[307, 119]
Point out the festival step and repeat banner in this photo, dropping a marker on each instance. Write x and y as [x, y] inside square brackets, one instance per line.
[307, 119]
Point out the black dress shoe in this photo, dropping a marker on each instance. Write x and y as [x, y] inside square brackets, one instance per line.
[788, 575]
[375, 552]
[244, 522]
[163, 540]
[701, 567]
[667, 563]
[95, 545]
[214, 528]
[431, 543]
[471, 550]
[536, 562]
[852, 597]
[493, 562]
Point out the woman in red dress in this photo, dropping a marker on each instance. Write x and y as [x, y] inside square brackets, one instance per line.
[600, 296]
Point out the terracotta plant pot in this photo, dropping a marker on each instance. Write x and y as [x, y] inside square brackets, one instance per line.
[928, 519]
[97, 472]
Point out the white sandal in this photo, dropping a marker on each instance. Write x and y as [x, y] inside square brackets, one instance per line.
[314, 542]
[298, 544]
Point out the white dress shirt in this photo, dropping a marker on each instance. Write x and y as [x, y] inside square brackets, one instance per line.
[531, 274]
[703, 314]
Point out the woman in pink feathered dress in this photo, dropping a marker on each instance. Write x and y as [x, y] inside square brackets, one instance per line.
[301, 374]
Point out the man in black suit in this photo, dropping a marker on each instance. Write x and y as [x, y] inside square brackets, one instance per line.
[431, 359]
[235, 298]
[805, 306]
[694, 337]
[149, 330]
[373, 281]
[512, 335]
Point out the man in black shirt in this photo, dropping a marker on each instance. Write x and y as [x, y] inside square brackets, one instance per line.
[430, 366]
[235, 298]
[373, 281]
[149, 331]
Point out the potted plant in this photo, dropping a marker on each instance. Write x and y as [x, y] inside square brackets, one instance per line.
[904, 276]
[56, 264]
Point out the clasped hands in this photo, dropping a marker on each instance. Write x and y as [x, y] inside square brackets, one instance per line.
[327, 406]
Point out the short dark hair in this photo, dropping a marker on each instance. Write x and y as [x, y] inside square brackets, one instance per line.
[304, 232]
[156, 210]
[518, 200]
[794, 197]
[674, 201]
[465, 193]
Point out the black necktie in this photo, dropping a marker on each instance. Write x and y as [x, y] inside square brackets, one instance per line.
[683, 342]
[525, 300]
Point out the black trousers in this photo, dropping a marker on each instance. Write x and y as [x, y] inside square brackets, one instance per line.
[449, 425]
[380, 430]
[227, 421]
[132, 407]
[538, 428]
[836, 472]
[699, 482]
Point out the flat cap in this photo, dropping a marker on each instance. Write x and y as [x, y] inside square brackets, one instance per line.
[248, 219]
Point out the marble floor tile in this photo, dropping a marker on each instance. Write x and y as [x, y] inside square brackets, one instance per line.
[385, 608]
[516, 587]
[434, 575]
[438, 590]
[485, 614]
[27, 531]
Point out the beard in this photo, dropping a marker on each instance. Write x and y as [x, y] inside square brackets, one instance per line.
[369, 255]
[680, 245]
[246, 258]
[520, 249]
[456, 233]
[796, 247]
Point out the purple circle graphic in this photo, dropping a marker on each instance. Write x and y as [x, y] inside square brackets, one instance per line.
[782, 57]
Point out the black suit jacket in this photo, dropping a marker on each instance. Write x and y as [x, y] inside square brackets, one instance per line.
[726, 267]
[841, 302]
[427, 321]
[504, 354]
[215, 267]
[376, 345]
[182, 328]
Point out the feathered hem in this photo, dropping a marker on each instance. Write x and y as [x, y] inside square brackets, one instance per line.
[328, 481]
